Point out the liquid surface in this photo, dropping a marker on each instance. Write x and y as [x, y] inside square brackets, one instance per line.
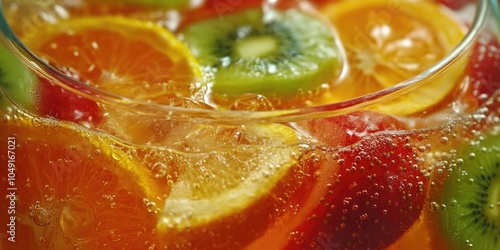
[91, 174]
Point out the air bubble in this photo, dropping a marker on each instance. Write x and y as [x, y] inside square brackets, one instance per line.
[266, 174]
[41, 215]
[151, 206]
[468, 244]
[421, 137]
[159, 170]
[454, 202]
[117, 155]
[49, 198]
[472, 156]
[317, 174]
[444, 140]
[36, 123]
[252, 102]
[434, 206]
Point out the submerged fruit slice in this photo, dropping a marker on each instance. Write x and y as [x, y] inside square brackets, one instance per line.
[366, 196]
[155, 3]
[16, 80]
[128, 57]
[483, 68]
[225, 198]
[57, 102]
[74, 190]
[273, 53]
[388, 42]
[471, 197]
[455, 4]
[343, 130]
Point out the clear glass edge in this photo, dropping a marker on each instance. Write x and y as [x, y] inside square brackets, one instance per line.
[238, 117]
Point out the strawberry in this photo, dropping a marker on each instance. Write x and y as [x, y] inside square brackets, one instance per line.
[455, 4]
[483, 67]
[350, 128]
[367, 196]
[57, 102]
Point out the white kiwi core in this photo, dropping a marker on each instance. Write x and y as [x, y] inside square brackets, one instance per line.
[256, 47]
[492, 208]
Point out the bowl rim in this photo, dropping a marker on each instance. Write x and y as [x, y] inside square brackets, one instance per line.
[10, 39]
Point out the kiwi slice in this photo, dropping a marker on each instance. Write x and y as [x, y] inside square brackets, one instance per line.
[471, 196]
[273, 53]
[16, 80]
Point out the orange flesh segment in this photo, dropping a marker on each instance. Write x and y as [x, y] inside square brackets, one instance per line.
[71, 193]
[127, 57]
[388, 42]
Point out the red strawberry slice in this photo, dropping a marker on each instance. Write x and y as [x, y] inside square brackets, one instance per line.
[455, 4]
[367, 196]
[54, 101]
[348, 129]
[484, 67]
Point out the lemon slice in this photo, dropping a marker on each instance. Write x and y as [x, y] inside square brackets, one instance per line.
[124, 56]
[227, 197]
[388, 42]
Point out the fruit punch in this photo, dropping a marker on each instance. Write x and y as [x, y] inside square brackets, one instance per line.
[260, 124]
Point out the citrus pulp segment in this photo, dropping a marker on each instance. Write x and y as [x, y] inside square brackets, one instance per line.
[124, 56]
[74, 190]
[388, 42]
[226, 197]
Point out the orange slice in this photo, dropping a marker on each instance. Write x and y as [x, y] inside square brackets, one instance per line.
[74, 190]
[388, 42]
[420, 237]
[124, 56]
[230, 187]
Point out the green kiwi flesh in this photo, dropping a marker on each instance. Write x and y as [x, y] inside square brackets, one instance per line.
[273, 53]
[471, 197]
[16, 80]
